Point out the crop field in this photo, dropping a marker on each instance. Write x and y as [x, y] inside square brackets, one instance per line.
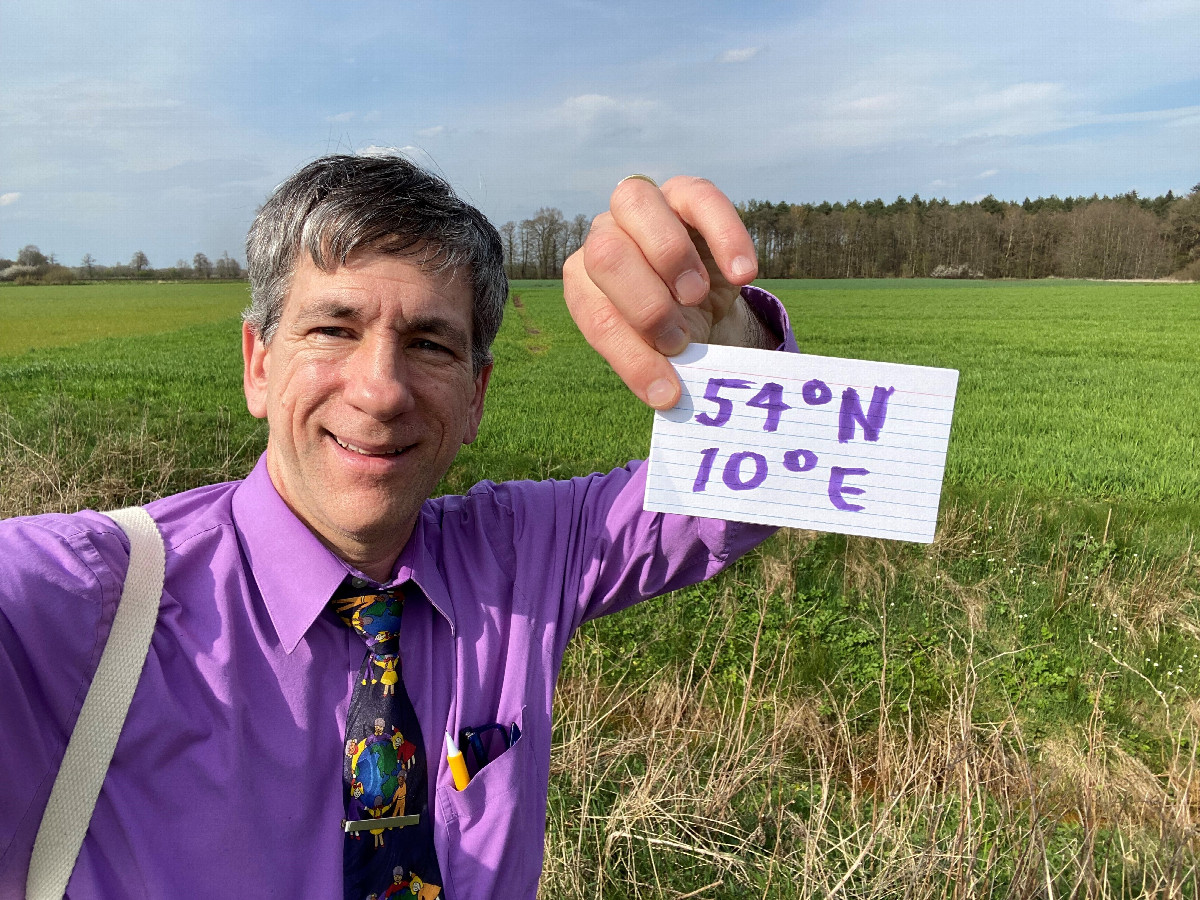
[1011, 711]
[39, 316]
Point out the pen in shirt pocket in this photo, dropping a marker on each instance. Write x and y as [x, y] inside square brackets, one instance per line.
[458, 766]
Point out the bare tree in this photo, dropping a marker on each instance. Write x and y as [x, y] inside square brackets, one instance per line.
[549, 231]
[30, 255]
[577, 232]
[228, 267]
[139, 262]
[528, 241]
[202, 266]
[508, 236]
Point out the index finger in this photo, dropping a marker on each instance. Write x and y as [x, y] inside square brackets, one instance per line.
[704, 207]
[642, 211]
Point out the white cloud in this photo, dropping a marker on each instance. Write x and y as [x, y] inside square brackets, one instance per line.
[1168, 117]
[343, 117]
[1014, 98]
[989, 173]
[740, 55]
[877, 103]
[376, 150]
[432, 132]
[898, 103]
[83, 103]
[10, 198]
[598, 115]
[586, 105]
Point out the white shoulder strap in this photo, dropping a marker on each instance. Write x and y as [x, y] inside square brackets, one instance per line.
[90, 749]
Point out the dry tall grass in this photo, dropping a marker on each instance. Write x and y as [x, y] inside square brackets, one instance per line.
[679, 787]
[69, 464]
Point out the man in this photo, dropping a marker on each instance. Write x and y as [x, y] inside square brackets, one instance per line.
[375, 296]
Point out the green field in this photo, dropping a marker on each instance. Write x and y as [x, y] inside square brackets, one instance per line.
[1013, 710]
[1067, 389]
[65, 316]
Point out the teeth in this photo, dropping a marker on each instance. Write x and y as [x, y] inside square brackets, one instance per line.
[342, 443]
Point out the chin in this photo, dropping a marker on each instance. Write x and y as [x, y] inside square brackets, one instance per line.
[366, 524]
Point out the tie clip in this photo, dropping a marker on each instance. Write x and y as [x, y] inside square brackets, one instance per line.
[383, 822]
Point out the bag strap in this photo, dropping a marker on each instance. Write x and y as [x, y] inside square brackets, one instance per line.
[90, 748]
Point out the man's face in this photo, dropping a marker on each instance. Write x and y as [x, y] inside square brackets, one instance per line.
[368, 391]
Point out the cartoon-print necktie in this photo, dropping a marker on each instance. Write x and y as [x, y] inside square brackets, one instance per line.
[389, 830]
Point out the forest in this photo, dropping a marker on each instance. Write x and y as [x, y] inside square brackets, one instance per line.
[1123, 237]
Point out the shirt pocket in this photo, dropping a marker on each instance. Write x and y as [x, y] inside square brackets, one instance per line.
[494, 829]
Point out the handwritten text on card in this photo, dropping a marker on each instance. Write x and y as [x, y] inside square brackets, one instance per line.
[813, 442]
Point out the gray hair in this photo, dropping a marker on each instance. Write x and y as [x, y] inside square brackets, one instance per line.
[336, 204]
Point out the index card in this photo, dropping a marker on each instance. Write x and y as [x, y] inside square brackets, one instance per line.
[842, 445]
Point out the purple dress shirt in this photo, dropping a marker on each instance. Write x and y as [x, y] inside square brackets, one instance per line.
[226, 780]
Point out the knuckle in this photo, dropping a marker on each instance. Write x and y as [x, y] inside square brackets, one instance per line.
[673, 253]
[603, 252]
[632, 199]
[691, 184]
[701, 197]
[603, 323]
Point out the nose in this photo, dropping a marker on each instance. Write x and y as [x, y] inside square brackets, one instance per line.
[376, 379]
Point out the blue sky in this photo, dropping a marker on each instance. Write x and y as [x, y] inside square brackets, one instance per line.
[161, 127]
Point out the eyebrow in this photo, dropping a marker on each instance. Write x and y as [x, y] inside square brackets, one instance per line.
[434, 326]
[440, 328]
[327, 309]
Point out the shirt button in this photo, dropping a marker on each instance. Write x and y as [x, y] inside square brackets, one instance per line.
[358, 582]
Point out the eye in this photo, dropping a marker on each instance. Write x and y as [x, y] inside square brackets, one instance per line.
[431, 346]
[331, 331]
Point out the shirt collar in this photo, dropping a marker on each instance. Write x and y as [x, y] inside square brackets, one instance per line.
[296, 574]
[419, 563]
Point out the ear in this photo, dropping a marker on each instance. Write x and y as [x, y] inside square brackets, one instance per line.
[475, 410]
[254, 372]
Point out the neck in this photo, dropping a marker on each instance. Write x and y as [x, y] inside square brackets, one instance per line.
[372, 559]
[380, 572]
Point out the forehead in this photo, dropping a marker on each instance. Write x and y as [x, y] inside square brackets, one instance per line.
[372, 282]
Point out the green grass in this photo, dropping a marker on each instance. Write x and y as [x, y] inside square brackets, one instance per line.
[1013, 706]
[62, 316]
[1077, 389]
[1068, 390]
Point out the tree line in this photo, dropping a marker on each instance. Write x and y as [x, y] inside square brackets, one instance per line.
[34, 267]
[1077, 237]
[1127, 236]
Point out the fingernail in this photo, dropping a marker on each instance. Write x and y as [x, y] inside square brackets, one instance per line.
[690, 288]
[741, 266]
[661, 394]
[671, 340]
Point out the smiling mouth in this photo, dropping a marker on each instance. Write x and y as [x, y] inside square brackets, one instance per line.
[363, 452]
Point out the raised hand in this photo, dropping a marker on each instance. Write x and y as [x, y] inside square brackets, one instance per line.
[662, 268]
